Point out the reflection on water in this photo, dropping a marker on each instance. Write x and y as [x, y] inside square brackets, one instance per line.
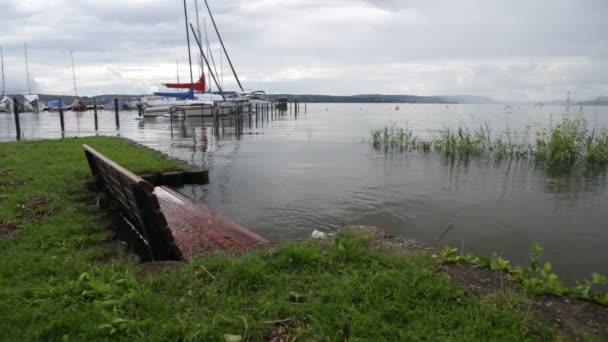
[285, 177]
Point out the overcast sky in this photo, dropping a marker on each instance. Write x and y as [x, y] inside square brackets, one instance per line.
[508, 50]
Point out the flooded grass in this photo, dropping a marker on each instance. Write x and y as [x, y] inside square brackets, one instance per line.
[569, 143]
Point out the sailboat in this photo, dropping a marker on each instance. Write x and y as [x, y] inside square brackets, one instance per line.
[191, 102]
[5, 102]
[32, 102]
[77, 105]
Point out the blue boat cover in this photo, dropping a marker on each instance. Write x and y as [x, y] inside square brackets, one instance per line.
[121, 104]
[187, 95]
[55, 104]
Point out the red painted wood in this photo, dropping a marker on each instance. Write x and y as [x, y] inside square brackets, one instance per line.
[196, 228]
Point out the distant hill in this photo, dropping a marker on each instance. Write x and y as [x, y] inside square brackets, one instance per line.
[101, 99]
[362, 98]
[470, 99]
[379, 98]
[599, 101]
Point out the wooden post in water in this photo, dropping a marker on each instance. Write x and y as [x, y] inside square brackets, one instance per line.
[95, 114]
[116, 113]
[249, 113]
[305, 109]
[61, 121]
[203, 119]
[17, 124]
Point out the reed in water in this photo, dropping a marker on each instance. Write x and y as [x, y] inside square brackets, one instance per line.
[568, 143]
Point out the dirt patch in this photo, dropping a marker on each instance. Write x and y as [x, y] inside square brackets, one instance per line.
[7, 229]
[11, 183]
[281, 333]
[34, 207]
[4, 183]
[381, 240]
[576, 319]
[479, 280]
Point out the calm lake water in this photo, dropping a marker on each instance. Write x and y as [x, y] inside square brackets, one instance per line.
[289, 176]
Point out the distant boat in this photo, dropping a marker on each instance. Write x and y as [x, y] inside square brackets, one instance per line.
[6, 101]
[56, 104]
[124, 105]
[6, 104]
[32, 104]
[78, 106]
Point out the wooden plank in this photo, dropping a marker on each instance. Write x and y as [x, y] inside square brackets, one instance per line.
[173, 225]
[196, 229]
[128, 174]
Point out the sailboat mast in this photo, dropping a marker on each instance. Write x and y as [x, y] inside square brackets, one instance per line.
[198, 30]
[27, 72]
[223, 47]
[188, 40]
[74, 73]
[198, 42]
[2, 62]
[207, 44]
[177, 73]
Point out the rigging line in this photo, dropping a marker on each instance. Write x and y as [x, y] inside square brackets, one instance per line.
[210, 54]
[223, 47]
[206, 61]
[74, 73]
[198, 30]
[3, 81]
[27, 72]
[188, 40]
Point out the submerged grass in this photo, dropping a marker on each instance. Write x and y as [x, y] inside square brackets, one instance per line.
[58, 283]
[569, 143]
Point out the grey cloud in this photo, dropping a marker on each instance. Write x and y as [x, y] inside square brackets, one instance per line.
[516, 49]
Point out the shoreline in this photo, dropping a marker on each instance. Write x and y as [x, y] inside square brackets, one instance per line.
[58, 236]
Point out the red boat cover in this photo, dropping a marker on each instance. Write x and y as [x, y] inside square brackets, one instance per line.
[78, 106]
[198, 86]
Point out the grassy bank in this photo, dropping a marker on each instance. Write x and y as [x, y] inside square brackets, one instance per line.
[60, 281]
[569, 143]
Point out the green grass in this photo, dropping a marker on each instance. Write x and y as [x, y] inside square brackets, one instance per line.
[57, 282]
[570, 143]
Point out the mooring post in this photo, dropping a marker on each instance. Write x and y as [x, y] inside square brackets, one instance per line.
[17, 124]
[116, 113]
[61, 121]
[305, 109]
[250, 113]
[95, 114]
[203, 118]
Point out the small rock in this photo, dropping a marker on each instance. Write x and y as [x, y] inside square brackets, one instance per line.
[318, 235]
